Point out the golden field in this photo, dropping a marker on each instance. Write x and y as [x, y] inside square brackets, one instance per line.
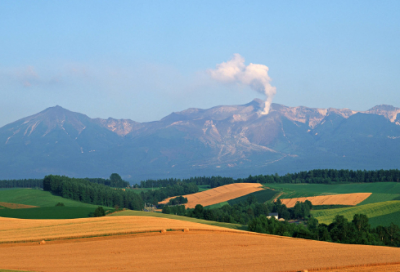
[219, 194]
[202, 248]
[341, 199]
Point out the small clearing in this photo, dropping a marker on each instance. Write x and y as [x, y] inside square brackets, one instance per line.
[341, 199]
[219, 194]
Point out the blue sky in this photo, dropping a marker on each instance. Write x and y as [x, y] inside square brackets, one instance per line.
[145, 59]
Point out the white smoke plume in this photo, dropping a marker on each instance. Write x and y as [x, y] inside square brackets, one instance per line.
[253, 75]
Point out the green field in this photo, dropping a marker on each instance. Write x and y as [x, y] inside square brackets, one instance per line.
[38, 198]
[183, 218]
[48, 213]
[385, 210]
[218, 205]
[261, 196]
[381, 191]
[46, 205]
[385, 220]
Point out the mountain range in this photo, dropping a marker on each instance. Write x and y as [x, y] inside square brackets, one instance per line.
[232, 141]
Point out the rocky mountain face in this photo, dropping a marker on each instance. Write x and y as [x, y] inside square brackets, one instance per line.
[224, 140]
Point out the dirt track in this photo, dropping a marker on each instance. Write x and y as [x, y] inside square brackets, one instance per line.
[220, 194]
[191, 251]
[341, 199]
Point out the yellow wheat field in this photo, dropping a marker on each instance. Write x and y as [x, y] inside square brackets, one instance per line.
[206, 250]
[14, 230]
[219, 194]
[342, 199]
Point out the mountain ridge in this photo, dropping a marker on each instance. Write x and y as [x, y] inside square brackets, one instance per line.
[226, 140]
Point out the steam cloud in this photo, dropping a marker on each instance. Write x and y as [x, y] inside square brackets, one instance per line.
[253, 75]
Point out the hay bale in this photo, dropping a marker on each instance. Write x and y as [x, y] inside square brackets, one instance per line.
[163, 231]
[186, 230]
[43, 242]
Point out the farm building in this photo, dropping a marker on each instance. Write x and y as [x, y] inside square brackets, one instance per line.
[273, 215]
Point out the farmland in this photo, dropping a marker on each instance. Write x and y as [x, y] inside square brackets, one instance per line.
[41, 205]
[37, 198]
[241, 250]
[19, 230]
[220, 194]
[371, 210]
[340, 199]
[48, 212]
[381, 191]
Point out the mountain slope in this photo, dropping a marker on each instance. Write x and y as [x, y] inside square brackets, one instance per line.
[224, 140]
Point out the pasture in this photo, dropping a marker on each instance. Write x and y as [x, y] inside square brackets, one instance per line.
[41, 205]
[48, 212]
[38, 198]
[388, 210]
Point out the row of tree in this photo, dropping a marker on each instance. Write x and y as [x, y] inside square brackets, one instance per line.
[90, 192]
[211, 181]
[243, 212]
[21, 183]
[99, 194]
[358, 231]
[178, 189]
[254, 215]
[325, 176]
[115, 181]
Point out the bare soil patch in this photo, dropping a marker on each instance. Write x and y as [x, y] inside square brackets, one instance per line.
[15, 205]
[194, 251]
[219, 194]
[341, 199]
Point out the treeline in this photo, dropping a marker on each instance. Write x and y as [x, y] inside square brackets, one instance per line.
[93, 193]
[177, 189]
[21, 183]
[325, 176]
[358, 231]
[211, 181]
[115, 180]
[243, 212]
[254, 215]
[99, 194]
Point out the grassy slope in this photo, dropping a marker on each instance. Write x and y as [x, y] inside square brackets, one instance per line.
[38, 198]
[261, 196]
[373, 210]
[385, 220]
[381, 191]
[48, 213]
[183, 218]
[46, 203]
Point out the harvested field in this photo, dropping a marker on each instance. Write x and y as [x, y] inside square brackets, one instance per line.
[15, 205]
[341, 199]
[192, 251]
[219, 194]
[18, 230]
